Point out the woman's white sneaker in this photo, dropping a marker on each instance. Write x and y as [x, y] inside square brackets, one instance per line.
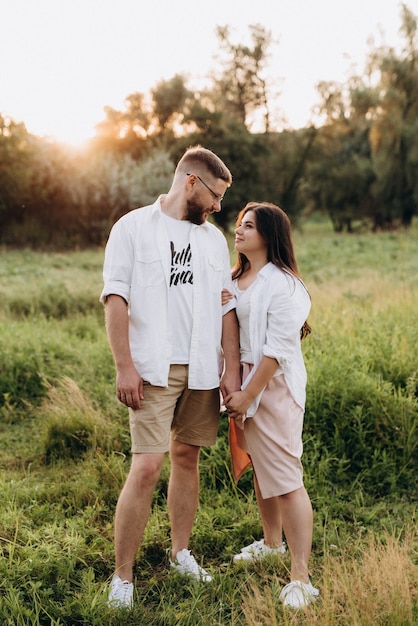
[258, 550]
[297, 594]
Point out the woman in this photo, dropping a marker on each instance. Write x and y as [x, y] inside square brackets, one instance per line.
[266, 416]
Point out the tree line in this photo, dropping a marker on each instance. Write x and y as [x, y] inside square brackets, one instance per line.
[358, 163]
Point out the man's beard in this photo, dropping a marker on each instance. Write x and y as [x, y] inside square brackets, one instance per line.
[195, 213]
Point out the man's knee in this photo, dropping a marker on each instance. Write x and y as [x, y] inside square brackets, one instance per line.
[184, 455]
[146, 469]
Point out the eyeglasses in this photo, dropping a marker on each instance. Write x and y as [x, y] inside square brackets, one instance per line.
[216, 196]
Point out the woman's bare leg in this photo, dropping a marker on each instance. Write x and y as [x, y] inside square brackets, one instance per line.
[271, 518]
[297, 516]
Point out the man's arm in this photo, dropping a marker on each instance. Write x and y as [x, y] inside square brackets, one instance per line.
[129, 387]
[231, 378]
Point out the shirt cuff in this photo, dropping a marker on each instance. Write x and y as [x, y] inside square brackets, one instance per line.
[115, 289]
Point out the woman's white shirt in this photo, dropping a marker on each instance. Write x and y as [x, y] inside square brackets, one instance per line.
[278, 305]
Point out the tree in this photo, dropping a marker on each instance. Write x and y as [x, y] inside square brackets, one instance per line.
[340, 174]
[366, 159]
[126, 131]
[169, 98]
[241, 87]
[394, 134]
[282, 164]
[16, 156]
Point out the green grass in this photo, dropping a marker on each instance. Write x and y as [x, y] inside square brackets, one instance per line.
[65, 453]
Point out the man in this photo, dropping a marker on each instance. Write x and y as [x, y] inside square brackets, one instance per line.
[174, 346]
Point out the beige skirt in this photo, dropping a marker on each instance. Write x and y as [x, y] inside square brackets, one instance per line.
[271, 441]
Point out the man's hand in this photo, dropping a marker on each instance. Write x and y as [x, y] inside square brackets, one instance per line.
[230, 381]
[129, 387]
[129, 384]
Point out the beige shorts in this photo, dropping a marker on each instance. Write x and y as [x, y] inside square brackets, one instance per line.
[187, 415]
[273, 440]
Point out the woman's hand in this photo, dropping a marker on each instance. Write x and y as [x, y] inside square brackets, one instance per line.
[226, 296]
[237, 403]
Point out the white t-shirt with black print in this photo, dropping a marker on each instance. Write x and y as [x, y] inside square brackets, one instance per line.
[181, 289]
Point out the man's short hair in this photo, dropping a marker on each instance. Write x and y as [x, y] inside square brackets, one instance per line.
[198, 157]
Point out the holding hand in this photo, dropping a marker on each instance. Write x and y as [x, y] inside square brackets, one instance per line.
[237, 403]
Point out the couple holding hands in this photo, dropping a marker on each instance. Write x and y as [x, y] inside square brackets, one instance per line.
[176, 342]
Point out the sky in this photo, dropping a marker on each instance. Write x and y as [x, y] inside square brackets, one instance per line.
[63, 61]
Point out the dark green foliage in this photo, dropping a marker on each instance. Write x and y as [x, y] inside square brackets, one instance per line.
[21, 380]
[366, 428]
[70, 439]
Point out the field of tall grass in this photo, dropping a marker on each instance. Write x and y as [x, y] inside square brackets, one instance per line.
[65, 444]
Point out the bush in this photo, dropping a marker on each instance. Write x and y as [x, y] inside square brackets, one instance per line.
[21, 379]
[363, 423]
[73, 425]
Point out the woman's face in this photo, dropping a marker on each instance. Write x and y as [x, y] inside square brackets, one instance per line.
[247, 238]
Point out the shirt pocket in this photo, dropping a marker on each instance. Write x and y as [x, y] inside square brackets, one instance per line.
[149, 270]
[215, 275]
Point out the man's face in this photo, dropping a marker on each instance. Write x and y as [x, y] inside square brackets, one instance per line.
[205, 199]
[197, 211]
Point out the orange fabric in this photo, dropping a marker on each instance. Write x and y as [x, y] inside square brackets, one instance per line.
[240, 460]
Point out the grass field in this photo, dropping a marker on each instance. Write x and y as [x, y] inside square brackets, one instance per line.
[65, 453]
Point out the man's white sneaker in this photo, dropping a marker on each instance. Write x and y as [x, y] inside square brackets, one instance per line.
[121, 593]
[258, 550]
[297, 594]
[186, 564]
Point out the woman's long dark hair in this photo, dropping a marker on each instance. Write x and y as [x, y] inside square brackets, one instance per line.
[275, 228]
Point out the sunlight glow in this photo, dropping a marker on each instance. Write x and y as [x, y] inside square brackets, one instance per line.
[62, 62]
